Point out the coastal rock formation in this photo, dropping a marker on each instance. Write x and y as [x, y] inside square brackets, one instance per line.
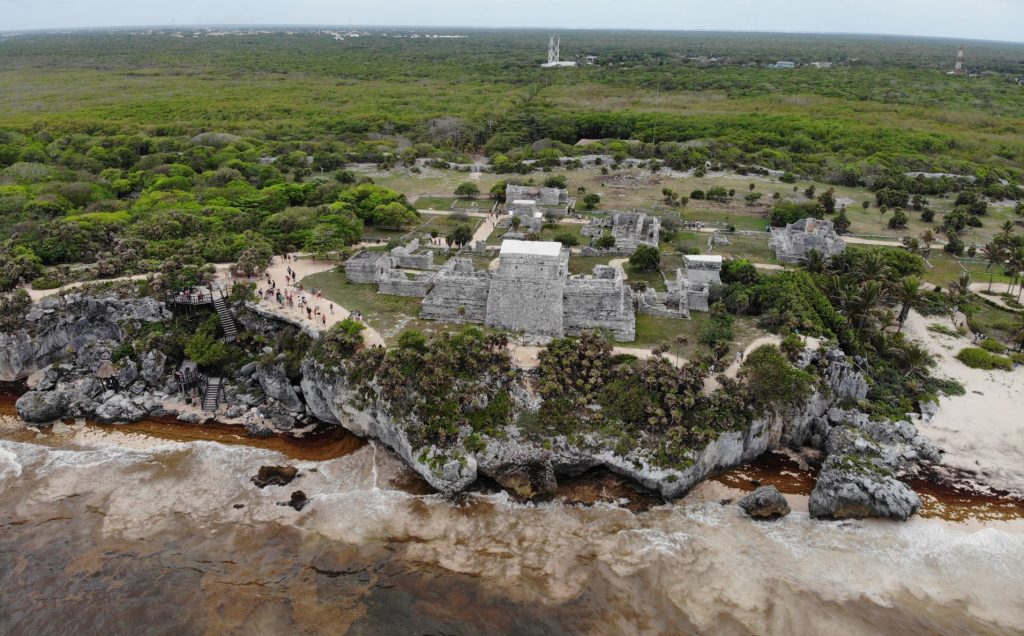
[849, 489]
[275, 476]
[276, 386]
[41, 407]
[57, 328]
[765, 503]
[330, 399]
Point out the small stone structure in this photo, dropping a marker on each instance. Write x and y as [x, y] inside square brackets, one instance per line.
[381, 267]
[690, 291]
[367, 267]
[543, 197]
[406, 256]
[630, 229]
[792, 243]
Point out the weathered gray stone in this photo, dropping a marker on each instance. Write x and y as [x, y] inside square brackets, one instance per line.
[41, 407]
[276, 386]
[119, 409]
[64, 326]
[765, 503]
[846, 490]
[153, 366]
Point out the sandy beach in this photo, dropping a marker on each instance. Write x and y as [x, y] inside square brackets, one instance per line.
[981, 432]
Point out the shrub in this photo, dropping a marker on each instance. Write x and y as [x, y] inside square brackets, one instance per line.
[645, 258]
[567, 239]
[993, 346]
[978, 358]
[467, 189]
[772, 380]
[927, 215]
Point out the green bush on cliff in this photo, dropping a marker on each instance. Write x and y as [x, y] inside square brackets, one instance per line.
[772, 381]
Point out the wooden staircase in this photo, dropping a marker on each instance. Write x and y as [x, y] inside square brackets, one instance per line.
[227, 320]
[211, 398]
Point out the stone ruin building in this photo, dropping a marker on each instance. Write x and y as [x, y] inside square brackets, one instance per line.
[531, 204]
[557, 199]
[690, 291]
[387, 269]
[531, 292]
[792, 243]
[630, 229]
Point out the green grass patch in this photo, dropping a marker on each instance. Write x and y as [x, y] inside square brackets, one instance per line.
[978, 358]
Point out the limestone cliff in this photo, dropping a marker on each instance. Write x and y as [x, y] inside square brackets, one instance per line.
[57, 328]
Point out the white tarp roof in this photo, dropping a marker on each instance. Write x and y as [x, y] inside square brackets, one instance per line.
[537, 248]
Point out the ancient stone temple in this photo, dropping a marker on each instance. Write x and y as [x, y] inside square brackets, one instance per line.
[630, 229]
[527, 289]
[792, 243]
[532, 293]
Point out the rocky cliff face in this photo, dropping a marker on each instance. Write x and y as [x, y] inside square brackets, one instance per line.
[330, 398]
[57, 328]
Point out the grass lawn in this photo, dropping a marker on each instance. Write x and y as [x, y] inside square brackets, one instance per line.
[549, 232]
[994, 322]
[434, 203]
[653, 279]
[654, 330]
[474, 205]
[390, 315]
[946, 269]
[754, 248]
[585, 264]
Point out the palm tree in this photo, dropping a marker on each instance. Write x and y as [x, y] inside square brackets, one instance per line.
[914, 359]
[927, 238]
[1007, 230]
[1018, 334]
[814, 262]
[872, 267]
[993, 254]
[907, 292]
[871, 294]
[959, 289]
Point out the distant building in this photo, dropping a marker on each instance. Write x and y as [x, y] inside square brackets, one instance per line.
[783, 64]
[555, 54]
[821, 64]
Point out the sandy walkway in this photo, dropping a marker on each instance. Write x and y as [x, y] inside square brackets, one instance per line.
[304, 267]
[982, 431]
[999, 288]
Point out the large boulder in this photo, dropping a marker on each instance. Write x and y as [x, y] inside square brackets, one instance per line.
[153, 366]
[127, 374]
[41, 407]
[276, 386]
[119, 409]
[765, 503]
[851, 488]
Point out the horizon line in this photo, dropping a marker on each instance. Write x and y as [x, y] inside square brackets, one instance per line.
[491, 28]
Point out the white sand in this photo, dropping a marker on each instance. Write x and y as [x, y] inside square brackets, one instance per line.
[982, 431]
[304, 267]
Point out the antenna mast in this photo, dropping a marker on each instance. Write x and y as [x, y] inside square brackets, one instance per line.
[958, 68]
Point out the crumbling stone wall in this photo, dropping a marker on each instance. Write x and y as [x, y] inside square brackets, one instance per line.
[397, 283]
[406, 256]
[459, 294]
[601, 302]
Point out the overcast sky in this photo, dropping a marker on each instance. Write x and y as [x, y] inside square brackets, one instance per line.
[980, 19]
